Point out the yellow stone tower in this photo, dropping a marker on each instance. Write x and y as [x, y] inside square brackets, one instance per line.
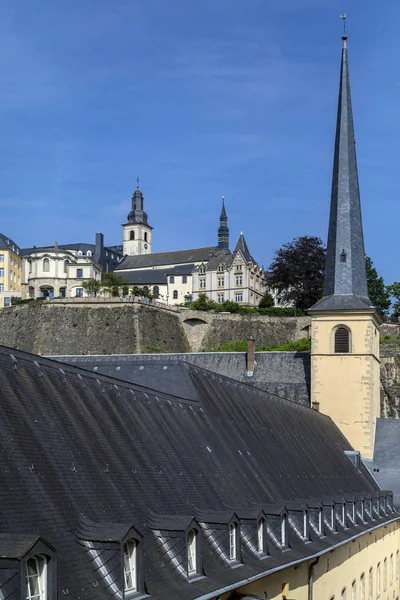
[345, 365]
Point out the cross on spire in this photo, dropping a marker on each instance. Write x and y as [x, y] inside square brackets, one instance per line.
[137, 182]
[344, 17]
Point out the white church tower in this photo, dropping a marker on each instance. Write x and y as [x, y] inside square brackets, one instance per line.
[137, 233]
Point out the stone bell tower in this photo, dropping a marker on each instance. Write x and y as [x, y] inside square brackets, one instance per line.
[345, 365]
[137, 233]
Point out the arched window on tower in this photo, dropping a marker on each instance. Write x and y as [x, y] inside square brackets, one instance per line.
[46, 265]
[132, 235]
[145, 236]
[342, 340]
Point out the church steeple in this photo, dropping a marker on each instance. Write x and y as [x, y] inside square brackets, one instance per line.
[137, 214]
[223, 230]
[137, 233]
[345, 277]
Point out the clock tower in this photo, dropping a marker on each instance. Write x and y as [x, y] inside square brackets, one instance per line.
[137, 233]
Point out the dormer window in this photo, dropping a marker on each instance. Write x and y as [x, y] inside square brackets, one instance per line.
[202, 269]
[130, 566]
[192, 552]
[284, 531]
[220, 268]
[36, 578]
[306, 533]
[89, 253]
[80, 253]
[320, 522]
[233, 528]
[260, 536]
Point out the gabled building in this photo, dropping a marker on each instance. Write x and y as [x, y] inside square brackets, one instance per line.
[179, 276]
[10, 271]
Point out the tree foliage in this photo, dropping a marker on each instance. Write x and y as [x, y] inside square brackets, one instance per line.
[266, 301]
[394, 291]
[92, 286]
[297, 272]
[378, 292]
[112, 283]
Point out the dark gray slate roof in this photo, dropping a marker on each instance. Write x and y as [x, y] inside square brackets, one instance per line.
[155, 276]
[386, 464]
[168, 258]
[284, 374]
[83, 246]
[345, 277]
[7, 244]
[84, 456]
[241, 245]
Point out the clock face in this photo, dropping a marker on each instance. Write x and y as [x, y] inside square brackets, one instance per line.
[145, 246]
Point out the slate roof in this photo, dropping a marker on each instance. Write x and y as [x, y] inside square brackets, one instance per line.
[7, 244]
[155, 276]
[386, 464]
[83, 246]
[283, 374]
[167, 258]
[76, 444]
[241, 245]
[345, 277]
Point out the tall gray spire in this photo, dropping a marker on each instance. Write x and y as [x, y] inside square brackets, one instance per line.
[223, 230]
[345, 276]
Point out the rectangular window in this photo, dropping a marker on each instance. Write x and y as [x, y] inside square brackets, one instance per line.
[192, 561]
[371, 584]
[172, 279]
[36, 578]
[260, 535]
[202, 283]
[232, 541]
[239, 280]
[130, 579]
[385, 575]
[1, 287]
[7, 301]
[79, 292]
[238, 267]
[238, 297]
[1, 272]
[283, 530]
[378, 580]
[184, 279]
[79, 273]
[1, 257]
[220, 298]
[221, 281]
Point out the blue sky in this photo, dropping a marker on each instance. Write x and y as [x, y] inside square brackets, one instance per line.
[201, 98]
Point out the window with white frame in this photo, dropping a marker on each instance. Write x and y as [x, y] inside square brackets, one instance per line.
[80, 253]
[239, 280]
[2, 272]
[320, 522]
[260, 535]
[130, 566]
[79, 292]
[36, 578]
[202, 269]
[1, 257]
[220, 298]
[1, 287]
[238, 267]
[202, 283]
[305, 525]
[233, 541]
[221, 281]
[362, 587]
[239, 297]
[220, 268]
[192, 552]
[284, 531]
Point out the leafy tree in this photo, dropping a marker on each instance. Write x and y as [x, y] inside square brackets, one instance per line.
[112, 282]
[297, 272]
[266, 301]
[203, 303]
[394, 291]
[378, 293]
[92, 287]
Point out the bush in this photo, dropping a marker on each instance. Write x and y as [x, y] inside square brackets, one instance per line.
[155, 350]
[266, 301]
[303, 345]
[277, 311]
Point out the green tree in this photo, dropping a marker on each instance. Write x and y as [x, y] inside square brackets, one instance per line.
[266, 301]
[394, 291]
[92, 287]
[203, 303]
[297, 272]
[378, 292]
[112, 283]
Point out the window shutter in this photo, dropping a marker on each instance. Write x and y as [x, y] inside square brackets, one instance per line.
[342, 340]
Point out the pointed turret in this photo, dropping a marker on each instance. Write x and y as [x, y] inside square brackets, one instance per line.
[345, 277]
[223, 230]
[241, 245]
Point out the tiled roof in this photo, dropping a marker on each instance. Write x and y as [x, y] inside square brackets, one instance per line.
[386, 464]
[168, 258]
[155, 276]
[77, 444]
[7, 244]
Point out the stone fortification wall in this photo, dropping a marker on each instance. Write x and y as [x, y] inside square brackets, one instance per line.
[49, 328]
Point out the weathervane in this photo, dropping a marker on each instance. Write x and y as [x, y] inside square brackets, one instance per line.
[137, 182]
[344, 17]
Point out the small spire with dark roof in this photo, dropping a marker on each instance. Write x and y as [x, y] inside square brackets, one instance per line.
[345, 276]
[137, 214]
[223, 230]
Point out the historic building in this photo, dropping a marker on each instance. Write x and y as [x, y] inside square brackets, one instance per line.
[60, 270]
[10, 271]
[182, 275]
[345, 324]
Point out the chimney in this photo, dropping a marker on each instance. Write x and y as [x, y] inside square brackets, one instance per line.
[315, 405]
[250, 357]
[99, 246]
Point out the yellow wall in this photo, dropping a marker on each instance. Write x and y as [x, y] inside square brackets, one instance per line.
[336, 570]
[347, 386]
[12, 279]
